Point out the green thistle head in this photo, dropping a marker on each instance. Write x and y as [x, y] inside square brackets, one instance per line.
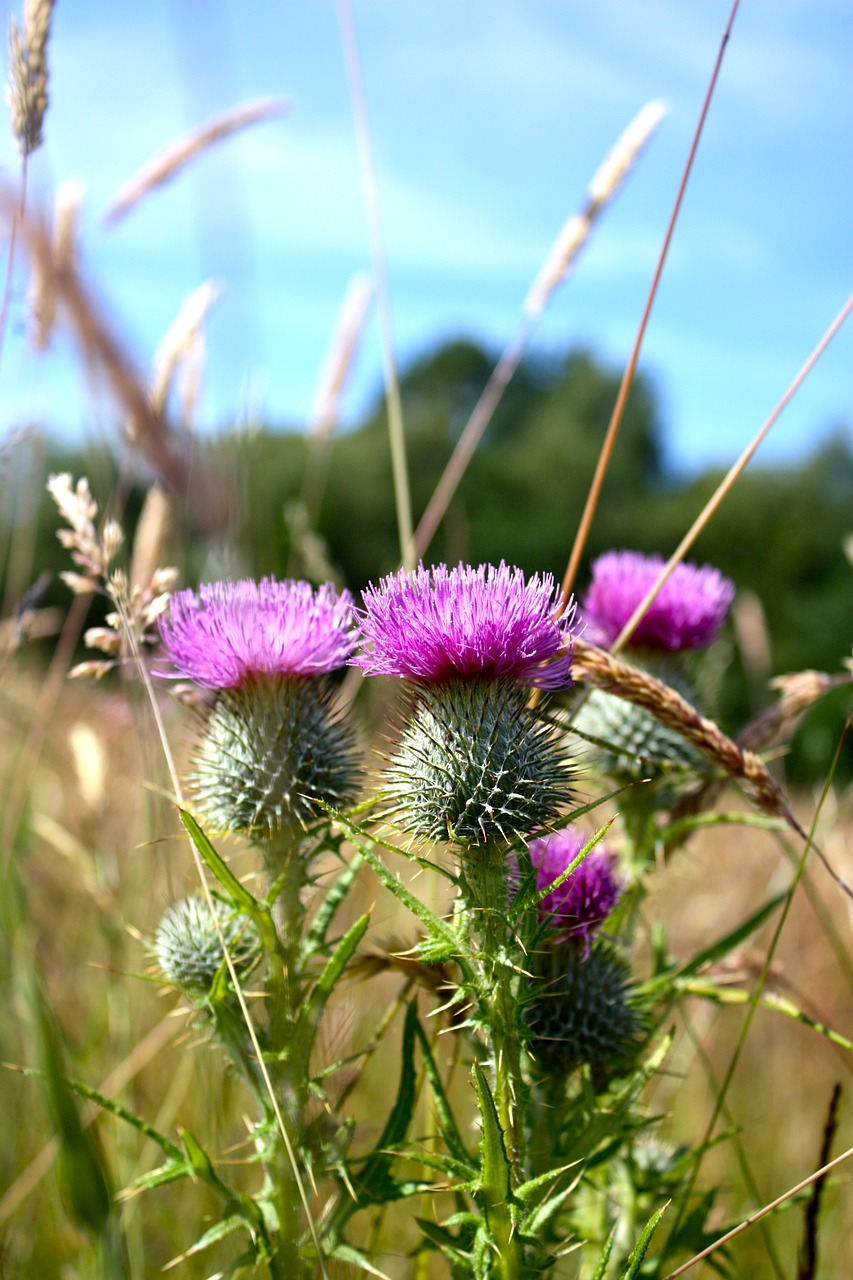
[587, 1015]
[474, 765]
[188, 948]
[271, 750]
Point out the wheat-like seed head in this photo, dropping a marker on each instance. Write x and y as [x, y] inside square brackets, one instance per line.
[180, 341]
[600, 669]
[26, 91]
[606, 181]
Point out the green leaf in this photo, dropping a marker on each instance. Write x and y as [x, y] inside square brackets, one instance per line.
[638, 1252]
[356, 831]
[83, 1171]
[219, 1231]
[440, 932]
[374, 1184]
[494, 1189]
[171, 1171]
[601, 1266]
[494, 1184]
[453, 1139]
[346, 1253]
[446, 1241]
[527, 1189]
[110, 1105]
[717, 950]
[315, 938]
[239, 895]
[332, 972]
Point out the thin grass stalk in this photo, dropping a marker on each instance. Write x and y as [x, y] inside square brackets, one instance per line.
[604, 186]
[40, 1165]
[348, 330]
[628, 376]
[728, 481]
[756, 994]
[244, 1008]
[739, 1149]
[168, 452]
[15, 221]
[762, 1213]
[393, 400]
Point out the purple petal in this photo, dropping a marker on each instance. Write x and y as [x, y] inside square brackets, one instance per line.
[228, 632]
[687, 612]
[486, 623]
[588, 895]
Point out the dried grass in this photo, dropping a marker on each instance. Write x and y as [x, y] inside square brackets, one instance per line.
[169, 163]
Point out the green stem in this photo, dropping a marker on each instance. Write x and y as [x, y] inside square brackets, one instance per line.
[485, 879]
[286, 987]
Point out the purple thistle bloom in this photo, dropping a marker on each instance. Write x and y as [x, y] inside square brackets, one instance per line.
[578, 905]
[485, 623]
[687, 612]
[229, 632]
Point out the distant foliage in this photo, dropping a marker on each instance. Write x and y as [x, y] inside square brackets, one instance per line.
[779, 533]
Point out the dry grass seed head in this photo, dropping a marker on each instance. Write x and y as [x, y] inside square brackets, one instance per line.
[26, 90]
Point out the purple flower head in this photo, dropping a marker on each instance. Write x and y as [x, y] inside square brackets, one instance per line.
[687, 612]
[473, 624]
[229, 632]
[581, 902]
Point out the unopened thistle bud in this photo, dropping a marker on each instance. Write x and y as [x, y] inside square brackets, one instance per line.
[473, 765]
[586, 1014]
[188, 947]
[273, 746]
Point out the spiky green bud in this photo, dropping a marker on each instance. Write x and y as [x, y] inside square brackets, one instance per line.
[629, 743]
[474, 765]
[270, 751]
[188, 948]
[587, 1014]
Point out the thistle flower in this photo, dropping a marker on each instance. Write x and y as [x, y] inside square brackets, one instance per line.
[687, 612]
[230, 632]
[579, 905]
[439, 624]
[273, 746]
[188, 948]
[474, 764]
[588, 1014]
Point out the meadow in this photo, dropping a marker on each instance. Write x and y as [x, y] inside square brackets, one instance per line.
[504, 957]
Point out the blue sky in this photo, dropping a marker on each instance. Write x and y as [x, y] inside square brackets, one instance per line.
[488, 119]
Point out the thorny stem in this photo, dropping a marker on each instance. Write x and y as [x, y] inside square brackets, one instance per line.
[286, 868]
[485, 879]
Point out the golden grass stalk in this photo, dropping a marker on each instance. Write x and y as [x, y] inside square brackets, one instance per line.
[597, 667]
[349, 327]
[607, 180]
[728, 481]
[604, 186]
[818, 1175]
[168, 452]
[628, 376]
[26, 90]
[173, 159]
[43, 299]
[348, 330]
